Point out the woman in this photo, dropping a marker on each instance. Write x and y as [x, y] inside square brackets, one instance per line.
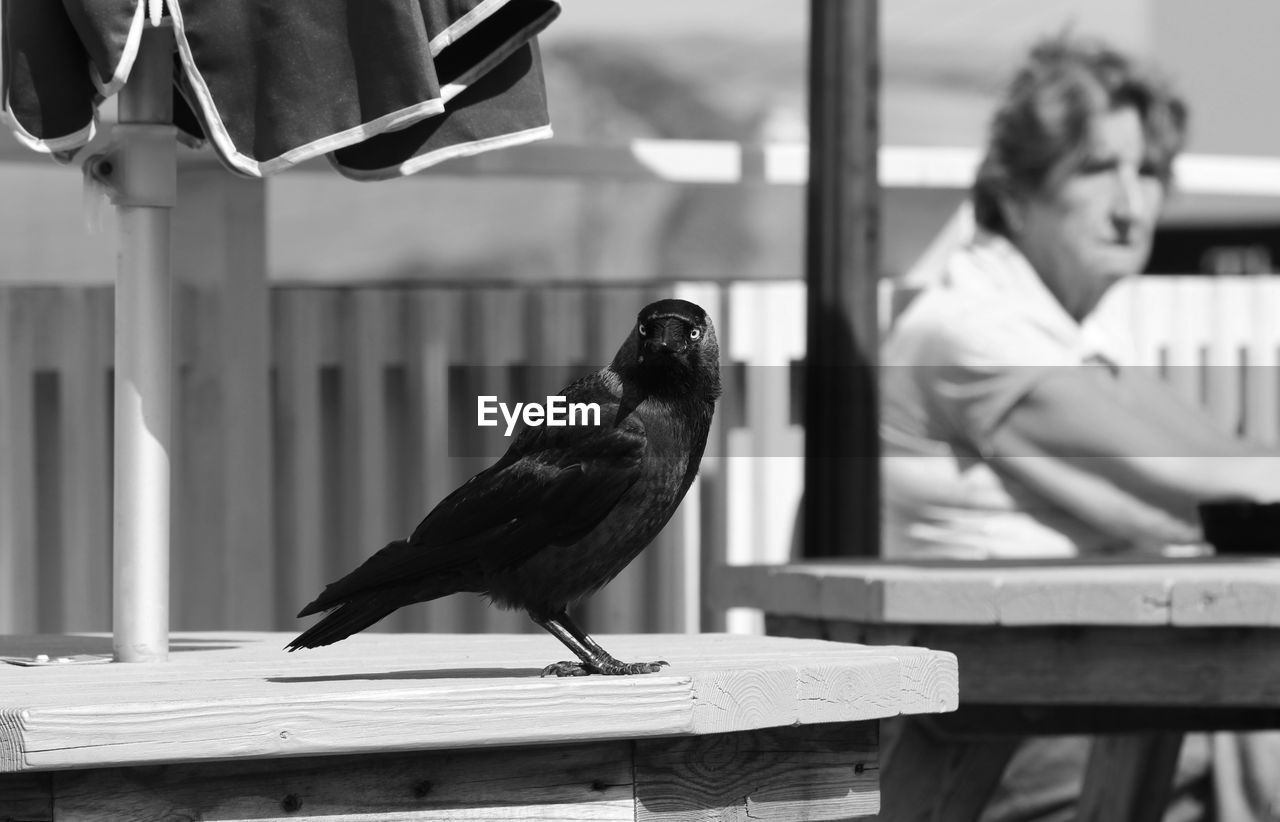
[1009, 429]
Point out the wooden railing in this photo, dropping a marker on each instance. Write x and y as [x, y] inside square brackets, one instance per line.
[1216, 340]
[364, 383]
[367, 385]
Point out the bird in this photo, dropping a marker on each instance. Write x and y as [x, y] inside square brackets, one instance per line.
[566, 508]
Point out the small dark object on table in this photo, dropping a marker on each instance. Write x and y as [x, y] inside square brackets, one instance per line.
[1238, 526]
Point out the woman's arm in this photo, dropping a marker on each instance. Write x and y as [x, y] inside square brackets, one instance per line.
[1142, 453]
[1105, 506]
[1147, 396]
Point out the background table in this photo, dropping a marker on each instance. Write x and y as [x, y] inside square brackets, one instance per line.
[453, 727]
[1141, 650]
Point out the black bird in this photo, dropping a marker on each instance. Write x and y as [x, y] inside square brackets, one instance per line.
[566, 508]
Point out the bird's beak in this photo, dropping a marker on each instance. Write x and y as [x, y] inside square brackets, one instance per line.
[670, 341]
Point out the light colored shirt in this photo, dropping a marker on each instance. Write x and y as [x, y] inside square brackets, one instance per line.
[958, 359]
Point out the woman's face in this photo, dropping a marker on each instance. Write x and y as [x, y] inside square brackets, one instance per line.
[1094, 226]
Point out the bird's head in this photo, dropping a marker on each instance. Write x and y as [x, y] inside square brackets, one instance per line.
[672, 349]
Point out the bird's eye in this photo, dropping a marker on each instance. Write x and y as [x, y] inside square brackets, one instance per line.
[643, 329]
[695, 333]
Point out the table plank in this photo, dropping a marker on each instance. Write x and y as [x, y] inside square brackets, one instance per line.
[1101, 665]
[582, 783]
[241, 696]
[1094, 646]
[820, 772]
[1159, 634]
[1221, 598]
[1223, 591]
[775, 775]
[1214, 669]
[27, 796]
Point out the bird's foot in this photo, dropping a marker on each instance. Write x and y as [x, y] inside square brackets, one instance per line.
[566, 669]
[609, 667]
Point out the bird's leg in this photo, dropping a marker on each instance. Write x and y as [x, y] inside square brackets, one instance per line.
[595, 659]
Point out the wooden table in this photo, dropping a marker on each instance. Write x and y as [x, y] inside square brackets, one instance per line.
[420, 727]
[1139, 650]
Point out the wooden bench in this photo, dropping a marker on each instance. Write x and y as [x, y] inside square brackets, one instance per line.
[1138, 651]
[437, 727]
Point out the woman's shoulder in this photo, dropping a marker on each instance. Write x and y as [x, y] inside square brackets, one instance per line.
[987, 308]
[950, 326]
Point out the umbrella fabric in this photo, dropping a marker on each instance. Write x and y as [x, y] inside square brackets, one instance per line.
[386, 87]
[506, 106]
[50, 82]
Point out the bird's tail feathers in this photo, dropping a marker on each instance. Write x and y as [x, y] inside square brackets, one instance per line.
[350, 617]
[377, 571]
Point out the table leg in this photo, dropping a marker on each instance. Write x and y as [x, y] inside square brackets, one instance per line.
[1129, 777]
[930, 776]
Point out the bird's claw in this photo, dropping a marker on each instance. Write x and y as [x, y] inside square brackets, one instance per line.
[566, 669]
[610, 668]
[641, 667]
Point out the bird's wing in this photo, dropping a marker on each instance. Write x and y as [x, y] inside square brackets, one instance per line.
[552, 487]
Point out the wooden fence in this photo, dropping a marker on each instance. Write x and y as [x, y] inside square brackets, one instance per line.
[1215, 339]
[363, 382]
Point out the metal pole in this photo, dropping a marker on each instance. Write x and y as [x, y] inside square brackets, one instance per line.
[842, 466]
[143, 176]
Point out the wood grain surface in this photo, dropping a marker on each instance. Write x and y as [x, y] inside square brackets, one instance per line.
[1197, 637]
[238, 695]
[809, 772]
[1206, 591]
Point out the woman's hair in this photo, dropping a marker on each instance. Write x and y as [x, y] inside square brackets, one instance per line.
[1041, 130]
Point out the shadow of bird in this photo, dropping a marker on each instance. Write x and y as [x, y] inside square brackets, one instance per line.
[566, 508]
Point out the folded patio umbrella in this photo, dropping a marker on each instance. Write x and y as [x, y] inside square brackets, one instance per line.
[384, 88]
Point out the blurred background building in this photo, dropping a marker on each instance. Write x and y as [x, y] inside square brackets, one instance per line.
[728, 70]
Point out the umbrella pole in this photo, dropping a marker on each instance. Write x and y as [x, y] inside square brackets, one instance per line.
[143, 173]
